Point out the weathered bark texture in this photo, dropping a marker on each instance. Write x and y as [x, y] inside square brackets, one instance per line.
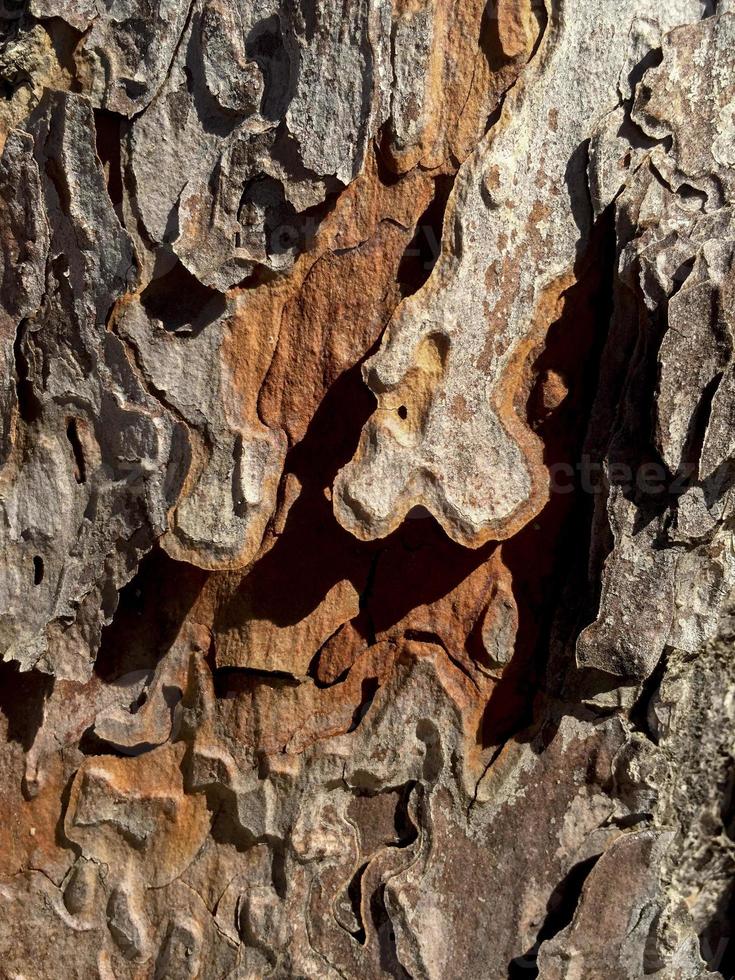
[367, 453]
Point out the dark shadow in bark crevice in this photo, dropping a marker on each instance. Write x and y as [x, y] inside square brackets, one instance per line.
[22, 697]
[546, 554]
[150, 611]
[560, 910]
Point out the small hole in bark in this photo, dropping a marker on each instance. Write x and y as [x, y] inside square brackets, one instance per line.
[37, 570]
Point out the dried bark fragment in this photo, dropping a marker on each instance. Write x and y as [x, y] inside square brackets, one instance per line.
[447, 434]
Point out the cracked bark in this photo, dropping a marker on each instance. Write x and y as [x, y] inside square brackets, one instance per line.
[366, 483]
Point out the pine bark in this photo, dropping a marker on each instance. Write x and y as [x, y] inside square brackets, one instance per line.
[367, 452]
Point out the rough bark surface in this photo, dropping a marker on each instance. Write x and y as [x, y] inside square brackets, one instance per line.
[367, 454]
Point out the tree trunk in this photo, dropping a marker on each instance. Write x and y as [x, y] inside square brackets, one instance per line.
[367, 452]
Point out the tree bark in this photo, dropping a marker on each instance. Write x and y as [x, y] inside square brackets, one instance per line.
[367, 452]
